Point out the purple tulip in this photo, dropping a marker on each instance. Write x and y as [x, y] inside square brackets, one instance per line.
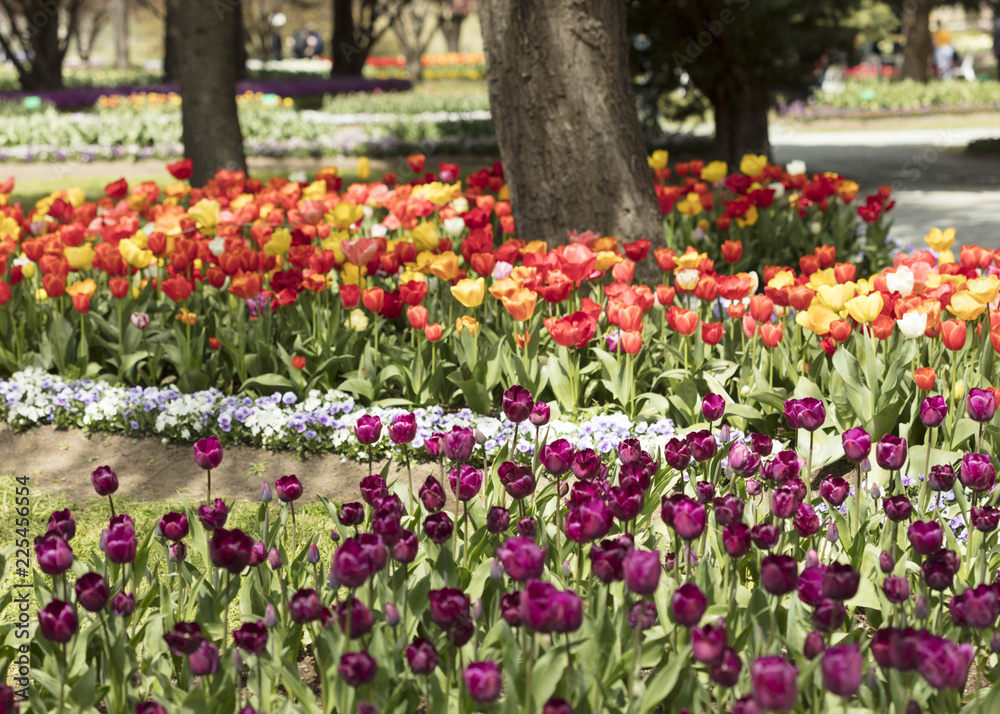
[213, 517]
[354, 618]
[713, 407]
[449, 607]
[405, 549]
[791, 413]
[122, 604]
[587, 464]
[521, 558]
[57, 621]
[728, 509]
[933, 410]
[811, 413]
[813, 645]
[546, 610]
[304, 606]
[810, 585]
[985, 519]
[686, 516]
[53, 554]
[177, 552]
[465, 481]
[677, 454]
[977, 472]
[840, 582]
[526, 527]
[626, 501]
[483, 681]
[762, 444]
[926, 537]
[62, 524]
[289, 488]
[688, 605]
[539, 414]
[517, 404]
[890, 452]
[736, 539]
[896, 589]
[357, 668]
[459, 443]
[895, 648]
[642, 616]
[886, 562]
[702, 445]
[434, 445]
[857, 444]
[842, 667]
[806, 521]
[510, 608]
[785, 501]
[629, 451]
[251, 637]
[557, 456]
[421, 656]
[704, 491]
[642, 570]
[976, 607]
[205, 659]
[265, 492]
[774, 683]
[981, 404]
[944, 664]
[607, 558]
[174, 526]
[753, 487]
[557, 706]
[403, 429]
[938, 569]
[765, 535]
[120, 543]
[834, 490]
[897, 508]
[183, 639]
[105, 480]
[432, 495]
[373, 550]
[779, 574]
[518, 481]
[784, 467]
[351, 514]
[726, 672]
[230, 550]
[941, 478]
[588, 521]
[368, 429]
[709, 642]
[438, 527]
[92, 592]
[208, 453]
[149, 707]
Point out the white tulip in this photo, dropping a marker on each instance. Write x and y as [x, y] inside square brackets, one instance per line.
[454, 226]
[795, 168]
[913, 324]
[900, 282]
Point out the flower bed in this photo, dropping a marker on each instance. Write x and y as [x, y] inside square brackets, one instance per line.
[865, 98]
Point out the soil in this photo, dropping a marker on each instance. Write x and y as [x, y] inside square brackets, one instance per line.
[62, 460]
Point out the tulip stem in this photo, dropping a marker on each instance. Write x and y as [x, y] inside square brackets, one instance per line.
[857, 498]
[465, 531]
[809, 470]
[409, 478]
[62, 683]
[210, 486]
[569, 667]
[291, 507]
[111, 500]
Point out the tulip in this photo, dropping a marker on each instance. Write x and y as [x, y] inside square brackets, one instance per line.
[432, 495]
[976, 607]
[764, 535]
[642, 616]
[977, 472]
[953, 334]
[762, 444]
[122, 604]
[230, 550]
[589, 520]
[886, 562]
[677, 454]
[897, 508]
[985, 519]
[890, 452]
[61, 523]
[521, 558]
[251, 637]
[941, 478]
[554, 705]
[944, 664]
[702, 445]
[213, 517]
[557, 456]
[834, 490]
[139, 320]
[688, 605]
[183, 639]
[642, 569]
[939, 569]
[607, 559]
[926, 537]
[774, 683]
[289, 488]
[497, 519]
[92, 592]
[465, 481]
[354, 618]
[304, 606]
[840, 582]
[713, 407]
[483, 681]
[810, 584]
[688, 518]
[449, 607]
[357, 668]
[368, 429]
[709, 642]
[933, 410]
[842, 667]
[208, 453]
[177, 552]
[813, 646]
[857, 444]
[539, 416]
[728, 509]
[149, 707]
[469, 292]
[120, 543]
[57, 621]
[205, 659]
[896, 589]
[458, 444]
[174, 526]
[105, 482]
[779, 574]
[373, 489]
[913, 324]
[517, 404]
[981, 404]
[351, 514]
[421, 656]
[53, 554]
[526, 527]
[784, 467]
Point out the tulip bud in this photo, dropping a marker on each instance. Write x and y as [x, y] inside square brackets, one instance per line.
[334, 535]
[813, 645]
[832, 534]
[177, 552]
[566, 569]
[496, 570]
[480, 437]
[270, 617]
[274, 558]
[812, 558]
[995, 642]
[912, 707]
[477, 609]
[312, 555]
[237, 660]
[871, 678]
[875, 491]
[921, 610]
[886, 562]
[265, 492]
[724, 434]
[391, 615]
[753, 487]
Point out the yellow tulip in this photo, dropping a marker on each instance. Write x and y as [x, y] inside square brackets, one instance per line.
[176, 190]
[469, 292]
[964, 306]
[865, 308]
[314, 191]
[835, 296]
[133, 254]
[689, 259]
[606, 259]
[41, 295]
[425, 236]
[364, 168]
[504, 194]
[281, 241]
[504, 288]
[240, 201]
[782, 279]
[440, 194]
[985, 289]
[82, 287]
[74, 196]
[522, 273]
[822, 277]
[353, 275]
[946, 256]
[816, 319]
[535, 246]
[467, 323]
[409, 276]
[205, 214]
[753, 164]
[9, 228]
[28, 271]
[691, 205]
[345, 214]
[716, 171]
[749, 218]
[940, 241]
[444, 266]
[658, 159]
[358, 321]
[81, 257]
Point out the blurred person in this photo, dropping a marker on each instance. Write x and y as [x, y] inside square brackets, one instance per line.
[945, 57]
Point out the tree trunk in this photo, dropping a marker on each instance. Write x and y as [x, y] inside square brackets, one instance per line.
[452, 31]
[414, 68]
[740, 103]
[239, 40]
[348, 56]
[120, 10]
[170, 41]
[918, 40]
[207, 68]
[566, 119]
[46, 66]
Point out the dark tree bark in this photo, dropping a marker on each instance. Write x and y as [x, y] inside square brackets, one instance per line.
[348, 57]
[43, 28]
[207, 68]
[239, 42]
[120, 18]
[918, 47]
[740, 103]
[170, 41]
[451, 28]
[566, 119]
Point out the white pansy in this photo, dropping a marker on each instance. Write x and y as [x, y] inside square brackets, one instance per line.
[913, 324]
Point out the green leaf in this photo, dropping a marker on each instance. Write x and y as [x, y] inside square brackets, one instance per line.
[662, 683]
[358, 386]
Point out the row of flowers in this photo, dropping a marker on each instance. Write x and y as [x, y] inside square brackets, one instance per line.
[709, 575]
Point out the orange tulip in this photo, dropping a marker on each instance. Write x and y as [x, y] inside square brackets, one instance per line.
[177, 289]
[433, 332]
[246, 285]
[299, 362]
[995, 339]
[761, 308]
[683, 321]
[631, 342]
[629, 318]
[845, 272]
[373, 299]
[953, 334]
[666, 259]
[624, 271]
[732, 251]
[800, 297]
[736, 310]
[770, 334]
[808, 264]
[520, 304]
[711, 332]
[55, 285]
[417, 315]
[522, 340]
[81, 303]
[840, 330]
[882, 327]
[925, 378]
[665, 295]
[827, 255]
[466, 322]
[749, 326]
